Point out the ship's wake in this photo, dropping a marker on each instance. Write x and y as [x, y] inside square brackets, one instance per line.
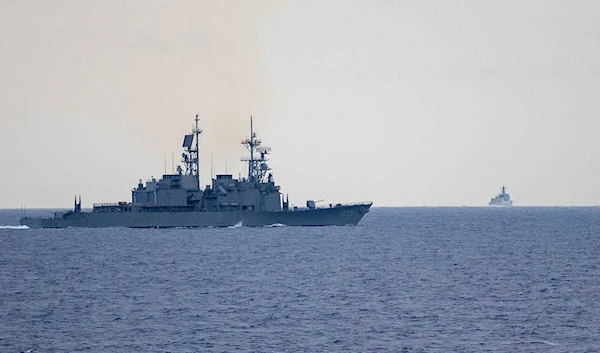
[14, 227]
[237, 225]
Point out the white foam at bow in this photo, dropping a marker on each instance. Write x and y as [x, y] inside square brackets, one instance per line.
[237, 225]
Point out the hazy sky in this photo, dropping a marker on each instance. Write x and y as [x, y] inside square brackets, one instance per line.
[404, 103]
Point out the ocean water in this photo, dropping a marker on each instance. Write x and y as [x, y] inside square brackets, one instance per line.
[522, 279]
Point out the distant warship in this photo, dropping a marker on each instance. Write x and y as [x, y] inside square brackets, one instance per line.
[177, 200]
[502, 199]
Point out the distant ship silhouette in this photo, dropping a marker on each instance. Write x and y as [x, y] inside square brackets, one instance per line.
[502, 199]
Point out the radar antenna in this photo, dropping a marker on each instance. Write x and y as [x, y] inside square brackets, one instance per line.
[257, 167]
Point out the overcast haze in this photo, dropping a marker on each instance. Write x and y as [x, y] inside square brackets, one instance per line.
[404, 103]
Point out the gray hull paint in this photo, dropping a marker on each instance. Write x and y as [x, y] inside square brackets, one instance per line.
[344, 215]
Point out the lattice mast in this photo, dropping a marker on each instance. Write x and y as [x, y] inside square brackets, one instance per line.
[257, 167]
[191, 156]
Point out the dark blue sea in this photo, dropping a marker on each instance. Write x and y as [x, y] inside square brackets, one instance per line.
[522, 279]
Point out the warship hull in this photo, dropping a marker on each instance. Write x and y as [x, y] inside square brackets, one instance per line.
[332, 216]
[501, 203]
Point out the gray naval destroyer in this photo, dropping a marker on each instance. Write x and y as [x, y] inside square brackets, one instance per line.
[177, 200]
[502, 199]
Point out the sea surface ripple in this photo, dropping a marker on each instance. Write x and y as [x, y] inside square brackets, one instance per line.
[523, 279]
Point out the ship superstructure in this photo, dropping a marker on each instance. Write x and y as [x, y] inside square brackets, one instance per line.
[177, 200]
[502, 199]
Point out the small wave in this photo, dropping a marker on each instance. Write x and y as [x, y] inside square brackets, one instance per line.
[237, 225]
[14, 227]
[548, 343]
[275, 225]
[531, 342]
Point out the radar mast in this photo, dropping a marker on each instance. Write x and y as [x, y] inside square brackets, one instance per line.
[191, 156]
[257, 167]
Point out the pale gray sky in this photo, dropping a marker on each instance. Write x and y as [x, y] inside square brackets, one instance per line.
[404, 103]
